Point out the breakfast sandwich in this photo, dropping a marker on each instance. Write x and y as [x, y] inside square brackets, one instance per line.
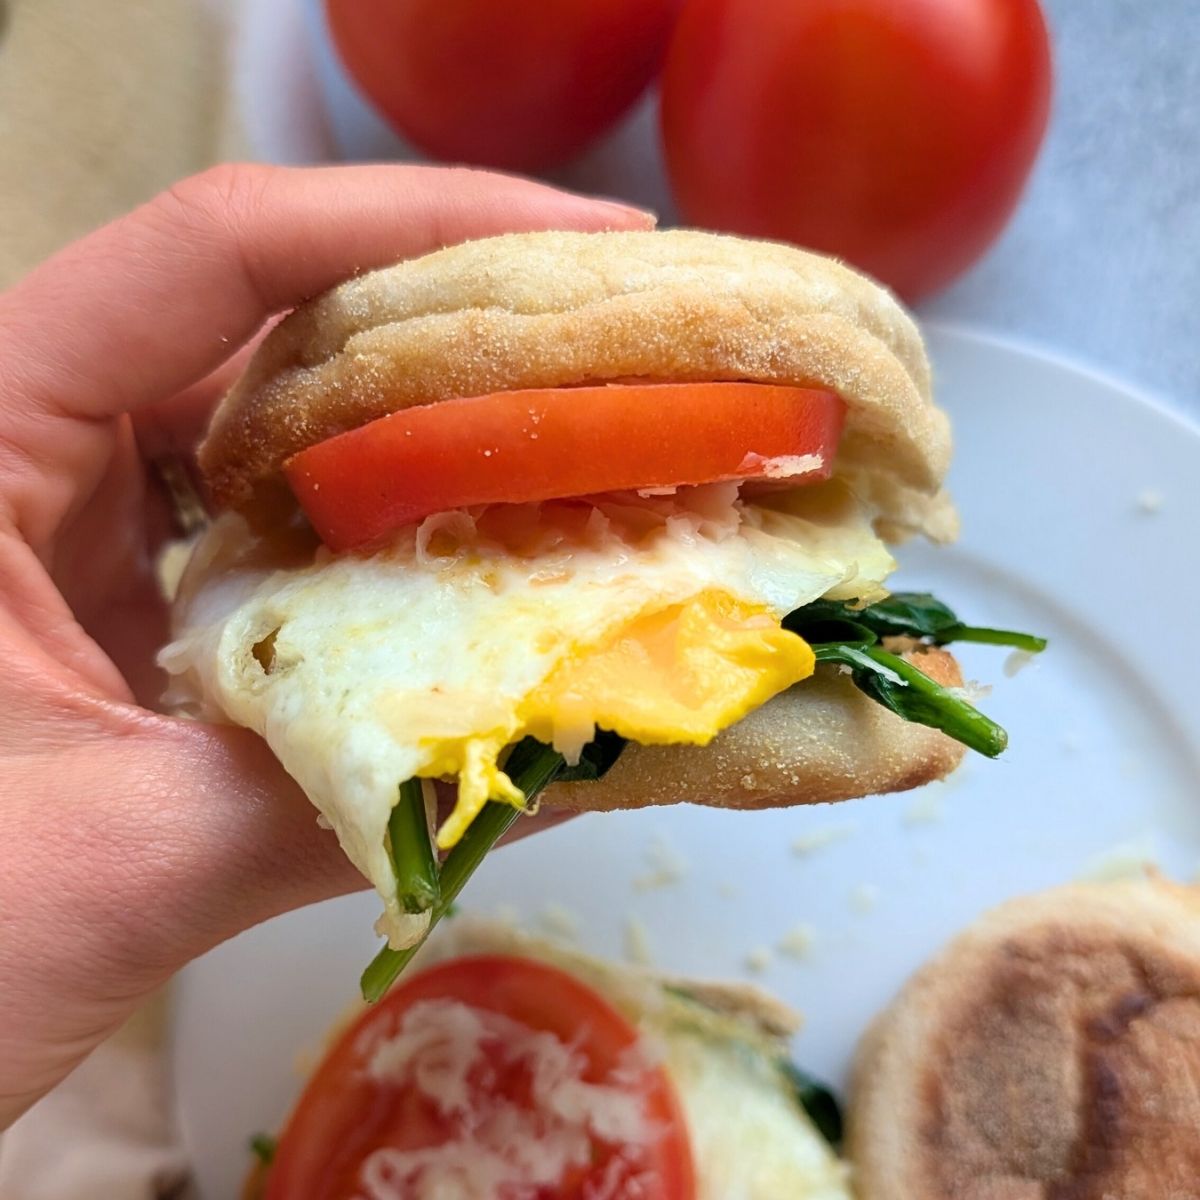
[605, 517]
[507, 1066]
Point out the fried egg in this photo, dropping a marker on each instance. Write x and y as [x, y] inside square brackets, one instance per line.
[655, 616]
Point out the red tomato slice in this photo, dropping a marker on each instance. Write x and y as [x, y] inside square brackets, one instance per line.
[513, 447]
[353, 1134]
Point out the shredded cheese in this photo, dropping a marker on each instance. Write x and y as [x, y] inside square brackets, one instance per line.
[797, 943]
[818, 839]
[442, 1049]
[1149, 501]
[758, 960]
[559, 921]
[864, 898]
[928, 807]
[1017, 661]
[666, 867]
[637, 943]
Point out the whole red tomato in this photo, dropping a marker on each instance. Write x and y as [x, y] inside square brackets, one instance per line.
[896, 134]
[520, 84]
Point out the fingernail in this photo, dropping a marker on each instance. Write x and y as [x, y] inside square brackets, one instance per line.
[645, 216]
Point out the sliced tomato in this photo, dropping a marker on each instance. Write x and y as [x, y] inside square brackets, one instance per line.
[514, 447]
[451, 1097]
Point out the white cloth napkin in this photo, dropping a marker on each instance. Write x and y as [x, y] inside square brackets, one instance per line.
[108, 1131]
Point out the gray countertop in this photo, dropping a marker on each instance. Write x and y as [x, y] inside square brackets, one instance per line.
[1101, 262]
[1103, 257]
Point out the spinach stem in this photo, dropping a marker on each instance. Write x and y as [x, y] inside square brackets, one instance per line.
[993, 637]
[531, 766]
[921, 699]
[412, 850]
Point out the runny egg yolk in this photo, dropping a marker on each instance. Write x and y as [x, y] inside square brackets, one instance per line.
[678, 674]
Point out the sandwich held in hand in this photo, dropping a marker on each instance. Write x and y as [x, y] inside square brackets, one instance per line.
[597, 517]
[505, 1066]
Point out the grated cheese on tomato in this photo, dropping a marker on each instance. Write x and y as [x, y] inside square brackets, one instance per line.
[449, 1052]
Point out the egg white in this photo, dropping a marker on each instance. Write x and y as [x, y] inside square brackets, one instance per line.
[356, 668]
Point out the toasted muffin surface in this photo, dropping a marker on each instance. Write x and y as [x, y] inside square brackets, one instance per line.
[1051, 1052]
[560, 309]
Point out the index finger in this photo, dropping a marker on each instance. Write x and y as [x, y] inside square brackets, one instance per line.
[151, 303]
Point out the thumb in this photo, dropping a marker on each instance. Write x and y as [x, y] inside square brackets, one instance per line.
[133, 842]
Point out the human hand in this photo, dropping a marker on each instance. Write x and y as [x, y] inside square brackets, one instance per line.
[134, 841]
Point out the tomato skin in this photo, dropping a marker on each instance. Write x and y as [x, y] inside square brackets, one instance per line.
[521, 84]
[897, 136]
[342, 1116]
[522, 446]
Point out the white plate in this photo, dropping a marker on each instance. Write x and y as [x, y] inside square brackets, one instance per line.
[1051, 463]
